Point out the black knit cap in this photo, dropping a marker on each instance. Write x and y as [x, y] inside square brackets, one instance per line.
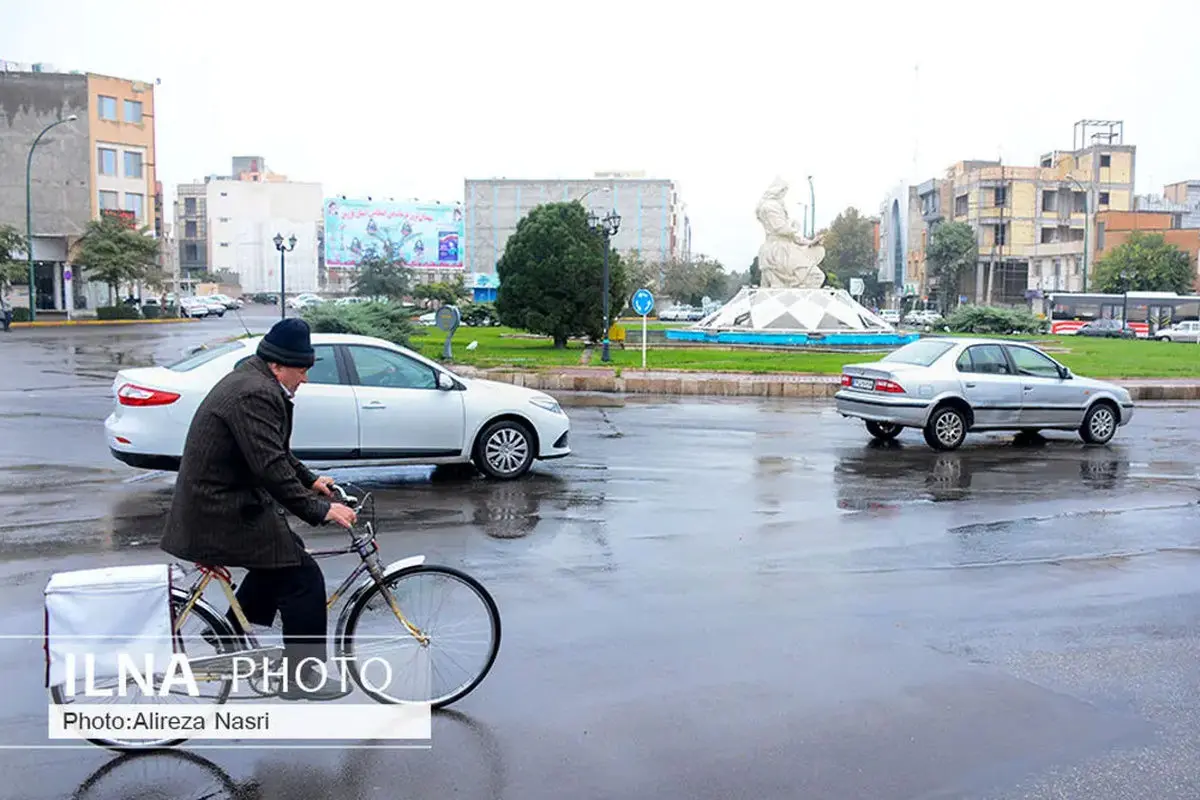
[288, 343]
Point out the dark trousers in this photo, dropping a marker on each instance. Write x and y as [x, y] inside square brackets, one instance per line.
[297, 594]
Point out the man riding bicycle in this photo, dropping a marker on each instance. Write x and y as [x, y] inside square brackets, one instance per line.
[237, 481]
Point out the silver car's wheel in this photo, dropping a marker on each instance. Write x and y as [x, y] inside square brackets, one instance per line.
[1099, 425]
[505, 450]
[883, 430]
[946, 429]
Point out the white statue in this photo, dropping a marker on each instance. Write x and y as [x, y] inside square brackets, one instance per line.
[787, 259]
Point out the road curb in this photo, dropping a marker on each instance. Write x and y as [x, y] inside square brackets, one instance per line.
[710, 384]
[73, 322]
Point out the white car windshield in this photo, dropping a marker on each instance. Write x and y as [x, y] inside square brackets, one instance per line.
[922, 353]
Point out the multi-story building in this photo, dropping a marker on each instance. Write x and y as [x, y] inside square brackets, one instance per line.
[654, 220]
[227, 224]
[191, 232]
[1033, 225]
[102, 160]
[900, 246]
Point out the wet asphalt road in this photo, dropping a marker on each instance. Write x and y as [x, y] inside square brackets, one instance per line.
[710, 599]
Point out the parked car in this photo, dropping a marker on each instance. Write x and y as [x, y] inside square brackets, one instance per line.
[890, 315]
[366, 400]
[304, 300]
[1107, 328]
[194, 307]
[949, 387]
[1180, 332]
[225, 300]
[922, 318]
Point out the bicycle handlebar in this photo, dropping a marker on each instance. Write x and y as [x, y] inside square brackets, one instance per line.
[348, 499]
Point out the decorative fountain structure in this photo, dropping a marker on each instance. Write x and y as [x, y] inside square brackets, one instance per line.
[793, 306]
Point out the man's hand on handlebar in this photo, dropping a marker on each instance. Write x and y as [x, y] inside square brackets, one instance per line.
[323, 485]
[342, 515]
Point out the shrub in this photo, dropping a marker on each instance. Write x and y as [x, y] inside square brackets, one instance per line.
[989, 319]
[20, 314]
[480, 315]
[118, 312]
[151, 312]
[381, 320]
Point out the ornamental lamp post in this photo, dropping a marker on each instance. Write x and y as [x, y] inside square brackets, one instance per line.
[282, 269]
[607, 228]
[29, 211]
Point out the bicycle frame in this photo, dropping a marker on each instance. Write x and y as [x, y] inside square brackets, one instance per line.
[368, 552]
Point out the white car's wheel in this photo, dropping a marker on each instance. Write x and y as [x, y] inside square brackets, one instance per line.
[505, 450]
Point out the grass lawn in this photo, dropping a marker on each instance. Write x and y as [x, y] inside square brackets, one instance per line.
[505, 347]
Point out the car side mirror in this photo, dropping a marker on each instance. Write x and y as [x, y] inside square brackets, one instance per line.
[445, 382]
[1064, 373]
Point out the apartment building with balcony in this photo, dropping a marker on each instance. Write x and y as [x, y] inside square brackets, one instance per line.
[1033, 224]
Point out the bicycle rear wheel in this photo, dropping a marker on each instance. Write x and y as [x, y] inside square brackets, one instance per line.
[213, 691]
[446, 605]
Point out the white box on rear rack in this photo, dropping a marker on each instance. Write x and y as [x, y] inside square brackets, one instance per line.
[98, 615]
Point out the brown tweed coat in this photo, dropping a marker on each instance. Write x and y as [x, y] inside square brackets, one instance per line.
[238, 476]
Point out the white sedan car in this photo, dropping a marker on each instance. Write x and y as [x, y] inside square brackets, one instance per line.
[366, 401]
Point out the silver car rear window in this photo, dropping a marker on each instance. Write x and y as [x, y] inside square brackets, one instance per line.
[923, 352]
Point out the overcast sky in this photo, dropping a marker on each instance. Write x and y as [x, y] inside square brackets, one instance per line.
[406, 99]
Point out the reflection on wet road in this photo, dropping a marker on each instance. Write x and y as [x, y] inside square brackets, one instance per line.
[714, 598]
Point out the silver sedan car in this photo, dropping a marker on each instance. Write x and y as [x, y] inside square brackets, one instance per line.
[948, 387]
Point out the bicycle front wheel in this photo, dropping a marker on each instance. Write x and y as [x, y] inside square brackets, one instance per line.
[454, 614]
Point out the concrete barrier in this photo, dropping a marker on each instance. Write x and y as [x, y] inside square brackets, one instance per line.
[729, 384]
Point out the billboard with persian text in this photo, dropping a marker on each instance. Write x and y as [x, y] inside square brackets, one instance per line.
[425, 235]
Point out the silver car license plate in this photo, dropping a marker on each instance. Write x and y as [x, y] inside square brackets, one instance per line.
[863, 383]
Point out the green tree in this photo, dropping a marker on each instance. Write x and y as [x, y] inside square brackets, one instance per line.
[12, 269]
[849, 246]
[951, 251]
[114, 252]
[443, 293]
[551, 275]
[379, 277]
[690, 282]
[1145, 263]
[850, 253]
[755, 274]
[641, 274]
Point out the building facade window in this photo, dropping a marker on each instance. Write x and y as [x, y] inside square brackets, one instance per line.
[189, 206]
[1105, 160]
[135, 203]
[133, 111]
[106, 161]
[109, 201]
[189, 229]
[106, 107]
[133, 164]
[1103, 198]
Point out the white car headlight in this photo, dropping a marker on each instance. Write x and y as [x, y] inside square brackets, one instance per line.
[547, 403]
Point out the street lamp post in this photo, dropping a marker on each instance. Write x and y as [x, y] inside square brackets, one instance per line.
[607, 228]
[29, 211]
[282, 267]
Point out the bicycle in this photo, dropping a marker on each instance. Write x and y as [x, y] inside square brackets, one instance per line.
[381, 584]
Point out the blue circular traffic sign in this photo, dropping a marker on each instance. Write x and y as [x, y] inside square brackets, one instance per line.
[643, 302]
